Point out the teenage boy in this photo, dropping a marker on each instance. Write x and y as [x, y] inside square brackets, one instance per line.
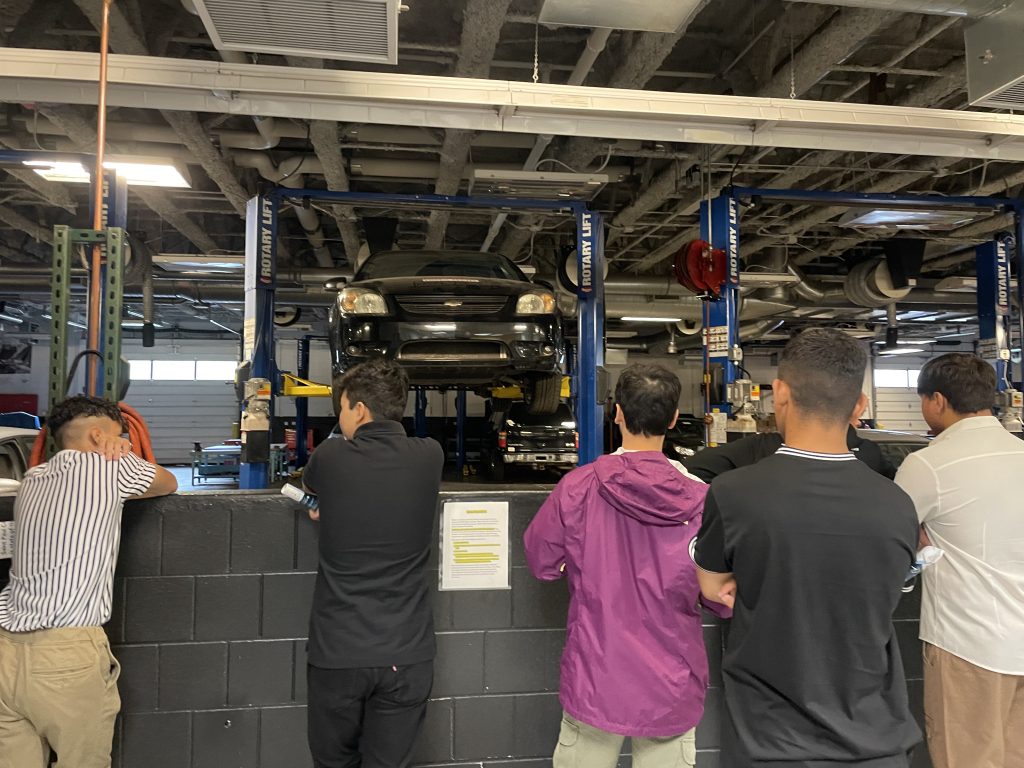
[58, 678]
[972, 608]
[619, 530]
[371, 636]
[811, 548]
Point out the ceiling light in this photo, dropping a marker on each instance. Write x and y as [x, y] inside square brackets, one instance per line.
[11, 318]
[652, 320]
[638, 15]
[911, 342]
[140, 172]
[900, 351]
[541, 185]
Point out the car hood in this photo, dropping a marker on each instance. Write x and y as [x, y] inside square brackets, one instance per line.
[469, 286]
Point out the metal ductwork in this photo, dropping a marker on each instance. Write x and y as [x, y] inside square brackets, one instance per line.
[974, 9]
[869, 284]
[811, 291]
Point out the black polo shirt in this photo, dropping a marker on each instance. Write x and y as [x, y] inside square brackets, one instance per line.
[820, 546]
[378, 499]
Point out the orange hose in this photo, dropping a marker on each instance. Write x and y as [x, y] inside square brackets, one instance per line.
[138, 434]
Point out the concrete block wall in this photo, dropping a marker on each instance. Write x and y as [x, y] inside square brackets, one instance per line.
[212, 598]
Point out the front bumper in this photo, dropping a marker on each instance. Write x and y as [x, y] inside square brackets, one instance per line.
[549, 459]
[454, 352]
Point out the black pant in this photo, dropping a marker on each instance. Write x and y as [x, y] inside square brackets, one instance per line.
[367, 717]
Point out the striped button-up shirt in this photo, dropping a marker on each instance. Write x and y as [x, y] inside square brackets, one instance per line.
[67, 520]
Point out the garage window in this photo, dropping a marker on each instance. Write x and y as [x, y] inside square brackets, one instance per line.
[141, 370]
[215, 370]
[897, 378]
[174, 370]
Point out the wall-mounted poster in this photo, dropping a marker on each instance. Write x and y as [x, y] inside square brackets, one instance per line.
[15, 357]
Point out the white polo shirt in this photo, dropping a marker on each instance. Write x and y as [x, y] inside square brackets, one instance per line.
[965, 486]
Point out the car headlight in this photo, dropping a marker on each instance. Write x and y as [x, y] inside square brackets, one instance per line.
[361, 301]
[683, 451]
[536, 303]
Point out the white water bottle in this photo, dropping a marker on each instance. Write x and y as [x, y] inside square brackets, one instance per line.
[295, 493]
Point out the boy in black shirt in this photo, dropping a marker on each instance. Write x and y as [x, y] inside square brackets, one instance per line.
[811, 548]
[371, 635]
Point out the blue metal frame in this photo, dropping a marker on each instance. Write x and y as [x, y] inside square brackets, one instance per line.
[260, 277]
[719, 225]
[302, 404]
[852, 199]
[258, 328]
[993, 259]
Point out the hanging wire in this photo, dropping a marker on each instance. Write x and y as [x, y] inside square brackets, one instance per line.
[792, 65]
[536, 52]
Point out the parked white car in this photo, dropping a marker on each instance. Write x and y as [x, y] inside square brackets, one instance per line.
[15, 449]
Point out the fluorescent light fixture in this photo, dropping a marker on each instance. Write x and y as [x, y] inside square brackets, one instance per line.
[640, 15]
[73, 324]
[135, 324]
[911, 342]
[12, 318]
[640, 319]
[900, 351]
[140, 172]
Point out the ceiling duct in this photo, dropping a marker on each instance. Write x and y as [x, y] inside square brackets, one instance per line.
[995, 61]
[351, 30]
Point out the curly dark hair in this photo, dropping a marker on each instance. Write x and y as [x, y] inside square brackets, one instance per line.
[78, 407]
[380, 385]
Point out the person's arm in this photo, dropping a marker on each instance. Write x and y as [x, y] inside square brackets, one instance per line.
[544, 540]
[712, 462]
[309, 476]
[138, 479]
[714, 571]
[918, 481]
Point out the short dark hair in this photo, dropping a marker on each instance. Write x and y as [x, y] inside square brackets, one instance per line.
[824, 369]
[380, 385]
[649, 398]
[965, 380]
[80, 407]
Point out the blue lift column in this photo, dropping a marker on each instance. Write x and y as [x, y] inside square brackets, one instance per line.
[258, 338]
[589, 379]
[993, 264]
[720, 226]
[302, 405]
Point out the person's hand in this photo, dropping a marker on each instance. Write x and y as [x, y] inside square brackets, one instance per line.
[111, 448]
[314, 514]
[727, 594]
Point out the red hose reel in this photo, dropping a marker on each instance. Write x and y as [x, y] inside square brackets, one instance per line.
[700, 268]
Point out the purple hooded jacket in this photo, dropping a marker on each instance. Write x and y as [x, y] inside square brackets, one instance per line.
[634, 661]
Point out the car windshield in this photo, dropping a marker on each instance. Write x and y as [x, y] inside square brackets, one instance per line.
[420, 264]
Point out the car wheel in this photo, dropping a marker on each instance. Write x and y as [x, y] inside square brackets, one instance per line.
[546, 394]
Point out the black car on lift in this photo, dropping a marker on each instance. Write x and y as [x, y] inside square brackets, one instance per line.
[523, 439]
[449, 318]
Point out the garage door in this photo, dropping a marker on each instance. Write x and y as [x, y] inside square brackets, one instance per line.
[181, 413]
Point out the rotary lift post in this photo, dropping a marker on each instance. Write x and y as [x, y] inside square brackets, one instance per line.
[720, 219]
[260, 280]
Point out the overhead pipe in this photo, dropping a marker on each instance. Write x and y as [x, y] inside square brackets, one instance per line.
[974, 9]
[811, 291]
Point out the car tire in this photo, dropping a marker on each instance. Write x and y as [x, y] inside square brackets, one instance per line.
[546, 395]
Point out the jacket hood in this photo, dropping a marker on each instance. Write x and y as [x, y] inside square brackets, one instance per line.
[646, 487]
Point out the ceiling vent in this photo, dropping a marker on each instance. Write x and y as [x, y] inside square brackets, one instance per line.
[352, 30]
[995, 60]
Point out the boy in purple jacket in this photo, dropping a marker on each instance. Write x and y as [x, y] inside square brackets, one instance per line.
[620, 530]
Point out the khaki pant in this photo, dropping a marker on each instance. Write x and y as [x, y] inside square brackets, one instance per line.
[58, 689]
[583, 746]
[974, 718]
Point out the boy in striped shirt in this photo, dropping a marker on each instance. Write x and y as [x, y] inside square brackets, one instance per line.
[58, 678]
